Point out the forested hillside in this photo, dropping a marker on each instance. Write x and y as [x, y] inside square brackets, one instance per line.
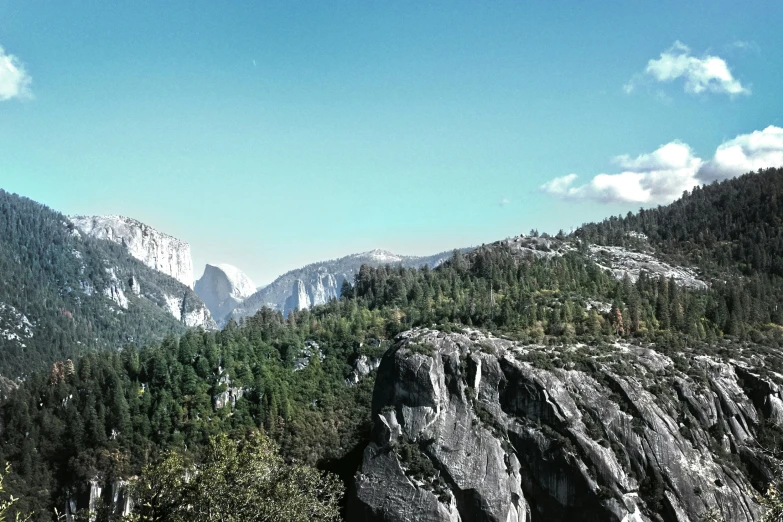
[734, 225]
[62, 293]
[101, 418]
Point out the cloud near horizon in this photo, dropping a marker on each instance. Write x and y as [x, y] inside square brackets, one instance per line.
[664, 174]
[707, 74]
[14, 80]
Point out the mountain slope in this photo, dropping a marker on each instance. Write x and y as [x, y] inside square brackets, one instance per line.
[77, 292]
[734, 225]
[316, 283]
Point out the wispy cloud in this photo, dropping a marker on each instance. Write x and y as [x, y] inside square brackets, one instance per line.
[664, 174]
[700, 75]
[503, 202]
[14, 80]
[744, 46]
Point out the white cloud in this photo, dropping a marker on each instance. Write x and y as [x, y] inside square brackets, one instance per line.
[504, 201]
[663, 175]
[745, 153]
[14, 80]
[656, 177]
[707, 74]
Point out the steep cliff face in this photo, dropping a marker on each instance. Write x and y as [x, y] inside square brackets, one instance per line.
[474, 428]
[171, 291]
[155, 249]
[318, 283]
[222, 287]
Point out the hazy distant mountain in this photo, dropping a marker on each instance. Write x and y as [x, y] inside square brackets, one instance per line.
[316, 283]
[222, 287]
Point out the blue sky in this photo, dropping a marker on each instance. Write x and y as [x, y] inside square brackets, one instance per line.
[272, 134]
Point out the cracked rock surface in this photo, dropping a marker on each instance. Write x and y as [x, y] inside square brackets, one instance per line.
[469, 427]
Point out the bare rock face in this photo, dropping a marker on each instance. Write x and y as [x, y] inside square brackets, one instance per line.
[155, 249]
[474, 428]
[115, 495]
[362, 367]
[222, 287]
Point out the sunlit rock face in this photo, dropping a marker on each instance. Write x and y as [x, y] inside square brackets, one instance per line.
[157, 250]
[163, 253]
[472, 427]
[222, 287]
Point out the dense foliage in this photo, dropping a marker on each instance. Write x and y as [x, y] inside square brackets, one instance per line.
[243, 481]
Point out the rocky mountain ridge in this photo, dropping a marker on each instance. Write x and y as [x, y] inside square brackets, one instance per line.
[619, 261]
[317, 283]
[467, 426]
[79, 292]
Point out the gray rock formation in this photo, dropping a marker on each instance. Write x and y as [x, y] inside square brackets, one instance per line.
[155, 249]
[362, 367]
[310, 350]
[475, 428]
[617, 260]
[299, 298]
[126, 286]
[222, 287]
[114, 496]
[318, 283]
[15, 327]
[230, 395]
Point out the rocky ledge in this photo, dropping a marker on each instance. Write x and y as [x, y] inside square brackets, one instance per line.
[469, 427]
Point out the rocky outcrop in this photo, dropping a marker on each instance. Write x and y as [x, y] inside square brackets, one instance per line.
[311, 349]
[155, 249]
[222, 287]
[111, 497]
[230, 394]
[115, 290]
[470, 427]
[189, 310]
[15, 327]
[362, 367]
[618, 261]
[316, 284]
[621, 262]
[298, 300]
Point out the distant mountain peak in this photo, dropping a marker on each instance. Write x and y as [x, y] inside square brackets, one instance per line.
[382, 256]
[222, 287]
